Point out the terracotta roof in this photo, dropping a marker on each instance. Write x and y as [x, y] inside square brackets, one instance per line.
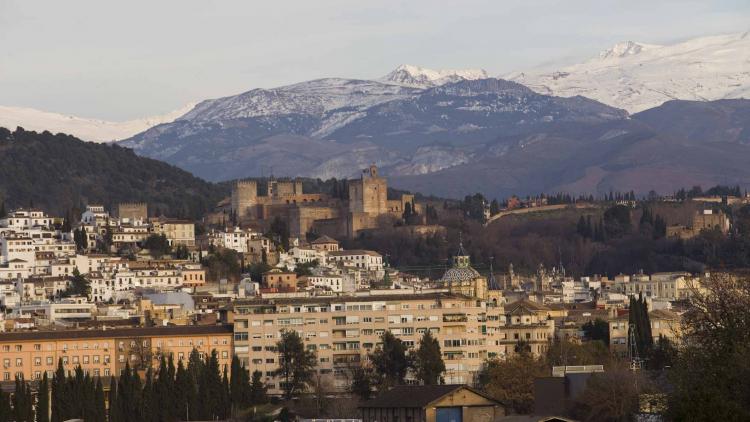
[324, 239]
[416, 395]
[353, 252]
[525, 304]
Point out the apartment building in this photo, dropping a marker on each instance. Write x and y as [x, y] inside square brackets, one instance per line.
[104, 352]
[343, 330]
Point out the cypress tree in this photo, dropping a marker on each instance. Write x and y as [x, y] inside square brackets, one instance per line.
[147, 398]
[61, 397]
[113, 413]
[239, 385]
[6, 413]
[136, 392]
[226, 402]
[184, 393]
[100, 412]
[42, 401]
[257, 389]
[23, 406]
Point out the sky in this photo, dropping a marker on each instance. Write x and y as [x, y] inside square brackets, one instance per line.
[130, 59]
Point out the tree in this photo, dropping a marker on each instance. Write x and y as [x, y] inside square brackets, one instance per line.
[79, 285]
[638, 321]
[361, 384]
[61, 395]
[185, 392]
[296, 364]
[181, 252]
[494, 207]
[610, 396]
[562, 352]
[512, 381]
[239, 386]
[390, 362]
[711, 375]
[23, 404]
[279, 230]
[157, 245]
[6, 412]
[597, 329]
[42, 401]
[428, 361]
[258, 389]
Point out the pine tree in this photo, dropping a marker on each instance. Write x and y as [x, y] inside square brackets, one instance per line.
[428, 361]
[390, 361]
[361, 385]
[296, 364]
[42, 401]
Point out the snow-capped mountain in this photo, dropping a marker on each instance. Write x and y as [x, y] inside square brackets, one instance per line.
[93, 130]
[636, 76]
[419, 77]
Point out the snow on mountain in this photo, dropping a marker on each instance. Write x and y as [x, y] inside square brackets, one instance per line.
[637, 76]
[419, 77]
[314, 98]
[87, 129]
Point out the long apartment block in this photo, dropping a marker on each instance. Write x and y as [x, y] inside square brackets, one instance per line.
[344, 330]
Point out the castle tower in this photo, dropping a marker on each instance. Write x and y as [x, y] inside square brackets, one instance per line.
[369, 194]
[244, 196]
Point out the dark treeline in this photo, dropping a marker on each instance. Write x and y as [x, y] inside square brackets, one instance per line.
[609, 240]
[60, 173]
[199, 391]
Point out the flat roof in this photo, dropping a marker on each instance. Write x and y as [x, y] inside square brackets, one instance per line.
[177, 330]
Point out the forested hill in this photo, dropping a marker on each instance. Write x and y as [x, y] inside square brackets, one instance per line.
[59, 173]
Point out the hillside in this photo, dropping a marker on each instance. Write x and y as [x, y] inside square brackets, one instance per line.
[60, 172]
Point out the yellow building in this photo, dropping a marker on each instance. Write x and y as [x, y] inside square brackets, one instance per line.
[343, 330]
[104, 352]
[663, 323]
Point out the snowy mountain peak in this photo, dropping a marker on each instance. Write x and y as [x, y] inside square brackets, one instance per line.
[623, 49]
[637, 76]
[94, 130]
[419, 77]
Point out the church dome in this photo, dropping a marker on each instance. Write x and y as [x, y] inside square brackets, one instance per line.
[459, 274]
[461, 269]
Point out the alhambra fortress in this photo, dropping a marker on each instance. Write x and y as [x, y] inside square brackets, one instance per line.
[366, 208]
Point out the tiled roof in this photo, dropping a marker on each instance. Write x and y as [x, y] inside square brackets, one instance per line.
[414, 395]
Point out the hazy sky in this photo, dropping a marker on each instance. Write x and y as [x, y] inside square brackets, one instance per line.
[127, 59]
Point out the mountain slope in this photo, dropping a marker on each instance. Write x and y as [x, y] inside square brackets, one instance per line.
[299, 131]
[659, 149]
[635, 76]
[93, 130]
[59, 172]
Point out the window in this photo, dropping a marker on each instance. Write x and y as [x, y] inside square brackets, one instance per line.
[19, 362]
[37, 361]
[50, 361]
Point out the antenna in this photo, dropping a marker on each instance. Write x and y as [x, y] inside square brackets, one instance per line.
[636, 363]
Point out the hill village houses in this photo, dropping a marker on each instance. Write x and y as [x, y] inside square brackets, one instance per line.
[339, 301]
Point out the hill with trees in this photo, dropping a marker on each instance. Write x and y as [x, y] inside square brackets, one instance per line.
[59, 173]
